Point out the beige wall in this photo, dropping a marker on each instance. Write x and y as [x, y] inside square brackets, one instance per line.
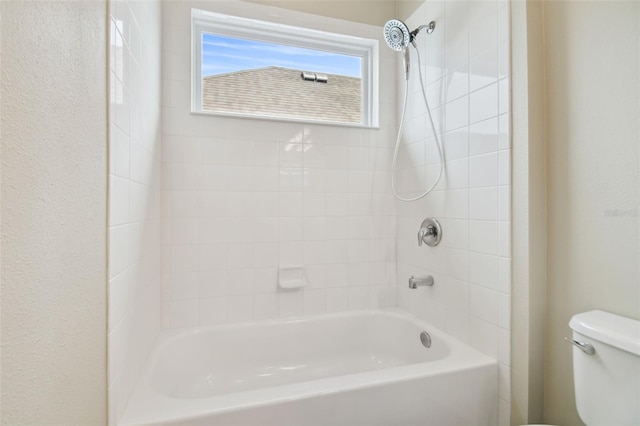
[592, 87]
[54, 212]
[373, 12]
[529, 212]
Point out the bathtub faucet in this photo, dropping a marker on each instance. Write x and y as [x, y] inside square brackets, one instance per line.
[425, 280]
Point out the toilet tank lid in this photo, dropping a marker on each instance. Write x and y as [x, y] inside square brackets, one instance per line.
[614, 330]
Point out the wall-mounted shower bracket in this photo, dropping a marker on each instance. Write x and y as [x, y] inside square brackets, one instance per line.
[430, 27]
[430, 232]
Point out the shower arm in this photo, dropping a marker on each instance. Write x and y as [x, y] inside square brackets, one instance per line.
[405, 52]
[429, 27]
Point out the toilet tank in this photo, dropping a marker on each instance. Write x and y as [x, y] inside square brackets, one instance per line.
[607, 383]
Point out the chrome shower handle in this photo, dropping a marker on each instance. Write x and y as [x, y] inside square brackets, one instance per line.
[430, 232]
[423, 232]
[406, 60]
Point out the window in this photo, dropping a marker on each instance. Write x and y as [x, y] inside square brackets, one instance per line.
[246, 67]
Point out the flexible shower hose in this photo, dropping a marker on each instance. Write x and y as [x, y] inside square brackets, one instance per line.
[435, 135]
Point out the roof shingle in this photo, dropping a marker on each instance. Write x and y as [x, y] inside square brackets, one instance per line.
[281, 92]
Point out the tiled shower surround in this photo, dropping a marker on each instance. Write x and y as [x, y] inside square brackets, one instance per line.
[134, 194]
[201, 223]
[467, 78]
[244, 197]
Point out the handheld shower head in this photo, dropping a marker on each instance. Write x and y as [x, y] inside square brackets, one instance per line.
[397, 35]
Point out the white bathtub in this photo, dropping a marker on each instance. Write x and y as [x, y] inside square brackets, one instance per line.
[365, 368]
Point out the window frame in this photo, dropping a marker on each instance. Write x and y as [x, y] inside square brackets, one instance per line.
[271, 32]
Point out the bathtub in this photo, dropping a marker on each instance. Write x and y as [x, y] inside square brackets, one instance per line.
[364, 368]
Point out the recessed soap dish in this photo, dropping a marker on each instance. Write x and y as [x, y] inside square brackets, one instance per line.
[291, 278]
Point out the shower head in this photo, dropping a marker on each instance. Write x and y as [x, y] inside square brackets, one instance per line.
[397, 35]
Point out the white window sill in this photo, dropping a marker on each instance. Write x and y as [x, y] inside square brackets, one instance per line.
[283, 119]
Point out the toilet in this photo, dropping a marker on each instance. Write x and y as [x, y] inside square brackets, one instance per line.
[606, 368]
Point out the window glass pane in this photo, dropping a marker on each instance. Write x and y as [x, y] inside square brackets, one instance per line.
[222, 54]
[276, 80]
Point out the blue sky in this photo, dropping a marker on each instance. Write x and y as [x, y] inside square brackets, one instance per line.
[222, 54]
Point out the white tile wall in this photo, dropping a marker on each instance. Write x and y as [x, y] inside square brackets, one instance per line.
[467, 77]
[134, 194]
[240, 198]
[244, 197]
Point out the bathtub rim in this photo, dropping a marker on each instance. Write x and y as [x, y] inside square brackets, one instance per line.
[147, 405]
[167, 336]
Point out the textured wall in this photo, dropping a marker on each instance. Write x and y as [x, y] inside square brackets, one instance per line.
[593, 105]
[466, 67]
[134, 193]
[54, 204]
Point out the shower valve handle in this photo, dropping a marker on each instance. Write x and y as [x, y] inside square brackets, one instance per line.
[430, 232]
[423, 232]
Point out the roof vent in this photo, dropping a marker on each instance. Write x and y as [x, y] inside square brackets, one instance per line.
[322, 78]
[310, 76]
